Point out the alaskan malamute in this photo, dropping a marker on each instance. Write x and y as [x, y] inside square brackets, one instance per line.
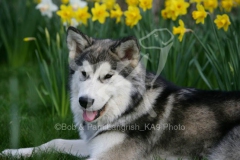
[122, 115]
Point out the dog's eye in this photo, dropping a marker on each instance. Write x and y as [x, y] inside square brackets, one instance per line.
[84, 73]
[108, 76]
[84, 76]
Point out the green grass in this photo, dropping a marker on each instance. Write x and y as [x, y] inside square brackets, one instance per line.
[33, 122]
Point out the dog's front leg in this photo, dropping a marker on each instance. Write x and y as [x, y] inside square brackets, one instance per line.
[114, 145]
[72, 147]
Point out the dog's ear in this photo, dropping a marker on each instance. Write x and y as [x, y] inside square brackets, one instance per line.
[77, 42]
[127, 49]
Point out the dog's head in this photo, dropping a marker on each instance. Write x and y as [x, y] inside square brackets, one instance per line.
[104, 76]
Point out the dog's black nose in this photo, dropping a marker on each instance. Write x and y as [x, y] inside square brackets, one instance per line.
[85, 102]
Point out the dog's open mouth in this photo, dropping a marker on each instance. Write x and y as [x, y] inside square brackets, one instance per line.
[90, 116]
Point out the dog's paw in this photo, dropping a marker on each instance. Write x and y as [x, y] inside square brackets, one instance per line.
[22, 152]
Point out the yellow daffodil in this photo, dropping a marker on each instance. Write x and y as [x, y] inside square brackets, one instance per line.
[132, 2]
[181, 7]
[164, 13]
[145, 4]
[109, 3]
[200, 14]
[64, 1]
[174, 8]
[132, 16]
[227, 5]
[82, 15]
[168, 13]
[66, 13]
[116, 13]
[222, 21]
[179, 30]
[210, 5]
[99, 13]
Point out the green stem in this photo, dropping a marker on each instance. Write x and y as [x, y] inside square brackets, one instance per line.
[200, 41]
[216, 36]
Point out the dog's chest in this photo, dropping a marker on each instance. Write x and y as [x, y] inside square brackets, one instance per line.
[89, 130]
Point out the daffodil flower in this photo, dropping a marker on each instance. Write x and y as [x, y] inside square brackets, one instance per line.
[109, 3]
[145, 4]
[181, 7]
[82, 15]
[66, 13]
[227, 5]
[132, 16]
[200, 14]
[99, 13]
[210, 5]
[180, 30]
[222, 21]
[46, 7]
[169, 13]
[116, 13]
[164, 14]
[174, 8]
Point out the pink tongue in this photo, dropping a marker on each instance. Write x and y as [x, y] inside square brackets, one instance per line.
[89, 115]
